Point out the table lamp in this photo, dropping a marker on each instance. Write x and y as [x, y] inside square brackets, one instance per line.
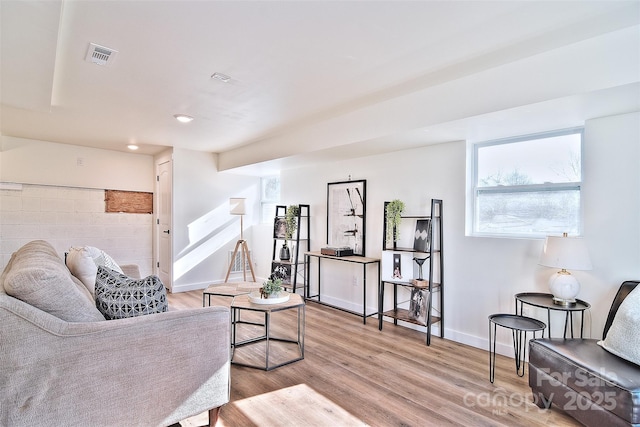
[566, 253]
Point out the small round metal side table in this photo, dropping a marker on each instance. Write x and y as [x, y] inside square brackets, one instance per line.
[541, 300]
[519, 326]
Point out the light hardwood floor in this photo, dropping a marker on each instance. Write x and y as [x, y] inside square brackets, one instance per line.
[389, 377]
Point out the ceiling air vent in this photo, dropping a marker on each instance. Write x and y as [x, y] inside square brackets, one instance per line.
[100, 55]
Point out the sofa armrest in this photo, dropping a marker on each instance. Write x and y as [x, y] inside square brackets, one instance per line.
[150, 370]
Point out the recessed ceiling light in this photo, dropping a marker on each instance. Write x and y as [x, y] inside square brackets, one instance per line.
[183, 118]
[132, 147]
[222, 77]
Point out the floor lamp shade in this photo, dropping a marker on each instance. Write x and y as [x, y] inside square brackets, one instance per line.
[236, 206]
[566, 253]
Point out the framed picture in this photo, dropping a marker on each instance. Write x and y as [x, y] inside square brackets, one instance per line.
[397, 266]
[418, 305]
[279, 228]
[422, 236]
[346, 215]
[280, 270]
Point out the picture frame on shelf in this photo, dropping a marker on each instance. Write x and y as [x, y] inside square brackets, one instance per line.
[422, 235]
[279, 228]
[397, 267]
[418, 305]
[346, 215]
[281, 270]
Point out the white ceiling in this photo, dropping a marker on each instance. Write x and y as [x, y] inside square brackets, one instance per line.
[312, 80]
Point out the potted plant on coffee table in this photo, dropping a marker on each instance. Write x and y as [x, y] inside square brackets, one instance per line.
[271, 288]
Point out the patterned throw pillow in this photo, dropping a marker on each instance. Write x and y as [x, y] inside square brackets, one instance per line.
[119, 296]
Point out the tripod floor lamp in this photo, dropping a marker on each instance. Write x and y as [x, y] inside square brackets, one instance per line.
[236, 207]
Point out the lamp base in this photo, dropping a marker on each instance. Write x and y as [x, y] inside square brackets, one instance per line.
[564, 302]
[564, 288]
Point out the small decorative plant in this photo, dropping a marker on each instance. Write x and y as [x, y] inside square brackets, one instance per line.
[394, 211]
[292, 220]
[270, 288]
[291, 225]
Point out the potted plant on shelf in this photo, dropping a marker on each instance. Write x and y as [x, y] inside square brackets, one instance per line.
[271, 288]
[291, 220]
[394, 211]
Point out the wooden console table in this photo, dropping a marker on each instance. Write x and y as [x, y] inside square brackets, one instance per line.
[364, 261]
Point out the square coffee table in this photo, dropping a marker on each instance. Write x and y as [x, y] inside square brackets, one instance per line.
[291, 349]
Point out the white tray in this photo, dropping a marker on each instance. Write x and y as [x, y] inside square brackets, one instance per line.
[283, 296]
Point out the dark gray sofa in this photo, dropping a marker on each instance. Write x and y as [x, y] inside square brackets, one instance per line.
[591, 384]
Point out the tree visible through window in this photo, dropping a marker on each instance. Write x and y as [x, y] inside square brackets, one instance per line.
[528, 186]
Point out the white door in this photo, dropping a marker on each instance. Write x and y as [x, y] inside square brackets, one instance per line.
[163, 224]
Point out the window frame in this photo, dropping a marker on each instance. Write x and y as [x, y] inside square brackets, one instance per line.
[474, 190]
[264, 202]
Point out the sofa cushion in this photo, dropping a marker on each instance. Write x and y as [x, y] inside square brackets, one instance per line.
[119, 296]
[585, 367]
[38, 276]
[83, 263]
[623, 337]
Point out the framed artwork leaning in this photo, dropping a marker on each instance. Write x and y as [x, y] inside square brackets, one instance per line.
[418, 305]
[346, 215]
[281, 270]
[397, 267]
[279, 228]
[422, 236]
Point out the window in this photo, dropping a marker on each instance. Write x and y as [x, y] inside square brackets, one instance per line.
[269, 198]
[528, 186]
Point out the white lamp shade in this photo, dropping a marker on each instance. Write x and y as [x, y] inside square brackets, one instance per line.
[236, 206]
[569, 253]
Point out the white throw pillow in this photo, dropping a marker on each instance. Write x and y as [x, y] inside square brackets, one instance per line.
[83, 263]
[623, 338]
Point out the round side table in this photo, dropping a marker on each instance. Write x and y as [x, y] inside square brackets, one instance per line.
[519, 326]
[541, 300]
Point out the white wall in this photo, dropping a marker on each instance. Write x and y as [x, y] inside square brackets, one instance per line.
[61, 201]
[483, 274]
[60, 198]
[66, 217]
[48, 163]
[203, 230]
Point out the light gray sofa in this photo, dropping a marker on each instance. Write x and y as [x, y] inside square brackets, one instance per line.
[62, 364]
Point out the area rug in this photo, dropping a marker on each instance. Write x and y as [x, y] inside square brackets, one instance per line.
[294, 406]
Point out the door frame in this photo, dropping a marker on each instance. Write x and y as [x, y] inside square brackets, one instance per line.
[157, 234]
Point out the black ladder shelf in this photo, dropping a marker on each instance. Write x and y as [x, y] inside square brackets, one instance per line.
[435, 283]
[300, 238]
